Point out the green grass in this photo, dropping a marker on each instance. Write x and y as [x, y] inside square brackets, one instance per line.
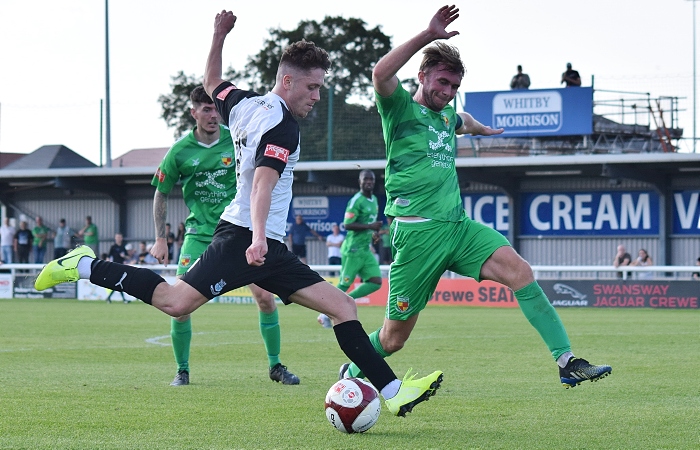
[82, 375]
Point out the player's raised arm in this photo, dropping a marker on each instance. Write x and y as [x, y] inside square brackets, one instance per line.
[223, 24]
[384, 74]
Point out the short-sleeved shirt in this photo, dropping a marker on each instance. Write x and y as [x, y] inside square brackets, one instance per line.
[264, 133]
[363, 210]
[116, 252]
[333, 251]
[40, 234]
[208, 177]
[420, 176]
[63, 237]
[299, 231]
[91, 239]
[24, 237]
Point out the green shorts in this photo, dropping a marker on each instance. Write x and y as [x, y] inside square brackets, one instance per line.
[192, 249]
[423, 251]
[362, 263]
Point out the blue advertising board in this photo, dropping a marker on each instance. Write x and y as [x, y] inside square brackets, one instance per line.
[321, 212]
[489, 209]
[686, 212]
[590, 213]
[534, 113]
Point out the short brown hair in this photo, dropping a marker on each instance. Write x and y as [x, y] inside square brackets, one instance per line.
[305, 55]
[199, 96]
[441, 53]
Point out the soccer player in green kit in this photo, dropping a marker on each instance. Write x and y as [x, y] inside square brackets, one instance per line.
[424, 203]
[203, 161]
[357, 259]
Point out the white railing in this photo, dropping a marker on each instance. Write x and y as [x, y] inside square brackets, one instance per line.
[549, 272]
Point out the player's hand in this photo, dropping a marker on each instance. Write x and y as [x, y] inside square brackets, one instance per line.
[441, 20]
[488, 131]
[224, 21]
[375, 238]
[255, 254]
[160, 251]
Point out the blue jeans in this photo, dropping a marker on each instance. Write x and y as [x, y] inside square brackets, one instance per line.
[39, 253]
[7, 254]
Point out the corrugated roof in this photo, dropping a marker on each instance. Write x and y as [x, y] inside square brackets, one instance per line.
[141, 157]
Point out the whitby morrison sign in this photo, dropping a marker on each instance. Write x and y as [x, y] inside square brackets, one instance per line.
[533, 113]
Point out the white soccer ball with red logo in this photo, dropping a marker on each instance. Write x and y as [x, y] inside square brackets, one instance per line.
[352, 405]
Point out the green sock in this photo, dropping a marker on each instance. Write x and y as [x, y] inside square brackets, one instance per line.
[355, 371]
[181, 336]
[542, 315]
[364, 289]
[270, 331]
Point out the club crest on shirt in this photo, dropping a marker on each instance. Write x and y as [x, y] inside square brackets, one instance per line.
[402, 303]
[185, 260]
[226, 159]
[446, 120]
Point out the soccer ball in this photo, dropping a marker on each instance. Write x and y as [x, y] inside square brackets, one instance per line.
[352, 405]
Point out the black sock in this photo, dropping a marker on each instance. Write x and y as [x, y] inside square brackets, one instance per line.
[355, 343]
[122, 278]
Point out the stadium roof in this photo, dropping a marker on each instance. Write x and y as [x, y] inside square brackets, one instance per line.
[50, 157]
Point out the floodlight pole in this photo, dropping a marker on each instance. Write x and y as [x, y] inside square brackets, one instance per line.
[108, 126]
[694, 84]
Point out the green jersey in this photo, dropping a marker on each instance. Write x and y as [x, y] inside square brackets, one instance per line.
[360, 209]
[90, 235]
[208, 176]
[420, 175]
[40, 234]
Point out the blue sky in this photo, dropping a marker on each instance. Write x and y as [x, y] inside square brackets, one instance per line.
[53, 71]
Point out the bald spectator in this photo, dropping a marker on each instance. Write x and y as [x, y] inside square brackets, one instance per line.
[622, 258]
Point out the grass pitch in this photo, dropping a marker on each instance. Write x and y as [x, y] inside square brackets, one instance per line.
[90, 375]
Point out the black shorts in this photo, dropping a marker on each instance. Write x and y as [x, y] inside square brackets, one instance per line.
[223, 266]
[299, 250]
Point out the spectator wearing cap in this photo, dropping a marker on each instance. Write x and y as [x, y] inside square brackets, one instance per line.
[571, 77]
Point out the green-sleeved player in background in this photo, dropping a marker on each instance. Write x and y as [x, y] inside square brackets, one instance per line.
[361, 223]
[203, 162]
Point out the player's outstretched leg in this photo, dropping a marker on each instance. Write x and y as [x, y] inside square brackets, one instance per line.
[578, 370]
[63, 269]
[413, 391]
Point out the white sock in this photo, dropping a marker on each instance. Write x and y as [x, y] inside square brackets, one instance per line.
[85, 267]
[563, 359]
[391, 389]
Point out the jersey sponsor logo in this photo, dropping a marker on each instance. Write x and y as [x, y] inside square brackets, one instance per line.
[216, 289]
[223, 94]
[274, 151]
[185, 260]
[160, 175]
[226, 159]
[402, 303]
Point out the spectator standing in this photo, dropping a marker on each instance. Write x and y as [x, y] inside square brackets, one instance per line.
[621, 259]
[169, 240]
[180, 238]
[62, 239]
[333, 242]
[41, 233]
[571, 77]
[7, 238]
[297, 237]
[643, 260]
[23, 242]
[520, 80]
[89, 234]
[117, 252]
[696, 275]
